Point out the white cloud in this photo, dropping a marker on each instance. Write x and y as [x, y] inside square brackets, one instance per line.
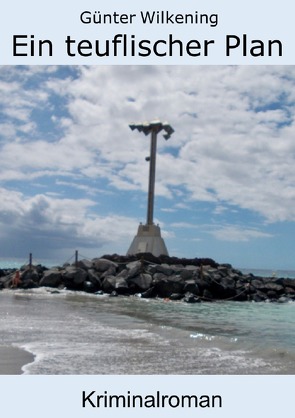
[168, 210]
[237, 233]
[184, 225]
[58, 223]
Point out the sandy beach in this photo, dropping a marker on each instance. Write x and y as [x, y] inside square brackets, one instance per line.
[12, 359]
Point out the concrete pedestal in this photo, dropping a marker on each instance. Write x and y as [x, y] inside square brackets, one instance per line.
[148, 240]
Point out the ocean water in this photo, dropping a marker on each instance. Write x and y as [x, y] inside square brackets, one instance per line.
[270, 273]
[77, 333]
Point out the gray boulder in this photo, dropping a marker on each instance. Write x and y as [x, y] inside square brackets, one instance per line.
[140, 283]
[172, 284]
[51, 278]
[289, 283]
[84, 264]
[111, 271]
[189, 271]
[224, 288]
[94, 277]
[203, 283]
[28, 284]
[165, 269]
[134, 269]
[30, 275]
[112, 283]
[102, 264]
[290, 291]
[271, 286]
[159, 276]
[272, 294]
[123, 273]
[74, 277]
[259, 296]
[191, 287]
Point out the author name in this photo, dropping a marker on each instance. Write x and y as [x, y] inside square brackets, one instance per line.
[156, 17]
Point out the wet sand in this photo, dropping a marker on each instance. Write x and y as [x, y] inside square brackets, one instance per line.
[12, 359]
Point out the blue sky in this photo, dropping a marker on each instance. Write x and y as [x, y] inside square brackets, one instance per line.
[74, 176]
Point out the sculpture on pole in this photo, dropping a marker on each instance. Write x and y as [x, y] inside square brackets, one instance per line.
[148, 238]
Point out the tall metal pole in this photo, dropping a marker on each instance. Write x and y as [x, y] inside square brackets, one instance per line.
[152, 178]
[148, 238]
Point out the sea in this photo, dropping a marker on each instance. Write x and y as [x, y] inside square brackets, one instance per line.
[78, 333]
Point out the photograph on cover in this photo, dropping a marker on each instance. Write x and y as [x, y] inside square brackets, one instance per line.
[147, 220]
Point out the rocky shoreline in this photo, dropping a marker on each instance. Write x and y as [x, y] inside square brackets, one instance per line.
[189, 280]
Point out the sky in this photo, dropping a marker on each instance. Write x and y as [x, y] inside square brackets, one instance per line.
[73, 176]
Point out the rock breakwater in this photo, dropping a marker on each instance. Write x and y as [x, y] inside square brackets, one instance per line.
[190, 280]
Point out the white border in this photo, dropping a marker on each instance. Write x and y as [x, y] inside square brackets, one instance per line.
[54, 21]
[58, 396]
